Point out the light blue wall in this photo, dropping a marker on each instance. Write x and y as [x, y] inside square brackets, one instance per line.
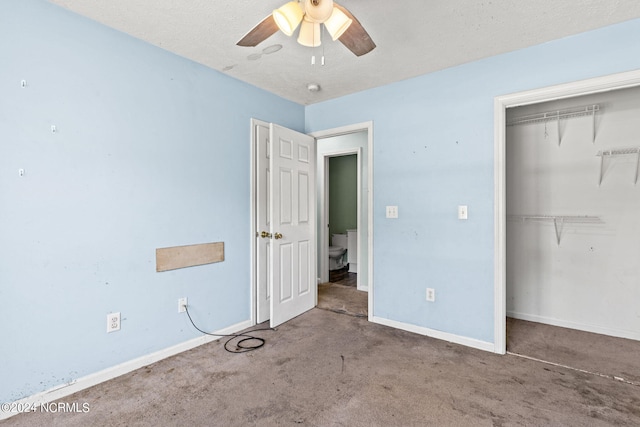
[433, 150]
[151, 151]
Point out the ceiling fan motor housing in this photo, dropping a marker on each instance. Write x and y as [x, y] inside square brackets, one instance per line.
[318, 10]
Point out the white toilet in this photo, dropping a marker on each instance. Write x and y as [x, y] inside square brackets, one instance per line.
[336, 251]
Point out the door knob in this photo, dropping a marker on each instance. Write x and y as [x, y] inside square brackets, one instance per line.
[278, 236]
[265, 235]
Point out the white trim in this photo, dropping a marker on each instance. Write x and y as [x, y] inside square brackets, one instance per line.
[370, 216]
[620, 333]
[360, 127]
[323, 241]
[501, 103]
[500, 230]
[457, 339]
[90, 380]
[569, 90]
[324, 206]
[252, 227]
[359, 285]
[343, 130]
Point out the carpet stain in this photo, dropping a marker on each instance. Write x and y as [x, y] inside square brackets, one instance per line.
[518, 380]
[282, 361]
[590, 397]
[223, 375]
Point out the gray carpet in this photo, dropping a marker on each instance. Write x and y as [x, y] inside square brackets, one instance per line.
[610, 356]
[342, 299]
[327, 369]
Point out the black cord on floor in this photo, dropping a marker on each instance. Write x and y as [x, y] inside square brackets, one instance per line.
[241, 345]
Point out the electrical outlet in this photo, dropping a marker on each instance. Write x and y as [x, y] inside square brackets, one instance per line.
[431, 295]
[113, 322]
[182, 305]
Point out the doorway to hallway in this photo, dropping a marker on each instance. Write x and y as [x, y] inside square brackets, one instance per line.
[329, 140]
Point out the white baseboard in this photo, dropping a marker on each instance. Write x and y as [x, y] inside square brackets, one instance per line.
[457, 339]
[620, 333]
[90, 380]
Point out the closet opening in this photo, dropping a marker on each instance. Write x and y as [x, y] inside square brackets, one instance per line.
[570, 229]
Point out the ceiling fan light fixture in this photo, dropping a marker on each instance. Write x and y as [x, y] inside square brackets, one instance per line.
[341, 25]
[318, 10]
[309, 33]
[288, 17]
[337, 23]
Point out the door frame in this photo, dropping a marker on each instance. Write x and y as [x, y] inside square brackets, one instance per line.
[501, 103]
[358, 127]
[253, 204]
[339, 131]
[323, 196]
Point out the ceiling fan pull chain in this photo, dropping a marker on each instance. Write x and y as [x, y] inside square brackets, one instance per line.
[322, 62]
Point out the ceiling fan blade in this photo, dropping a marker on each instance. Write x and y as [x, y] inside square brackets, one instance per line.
[260, 32]
[356, 38]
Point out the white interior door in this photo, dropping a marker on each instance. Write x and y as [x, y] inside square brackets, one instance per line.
[292, 214]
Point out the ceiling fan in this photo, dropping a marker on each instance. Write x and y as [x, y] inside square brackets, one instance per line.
[309, 15]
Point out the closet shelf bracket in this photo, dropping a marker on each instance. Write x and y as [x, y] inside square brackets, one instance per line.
[619, 152]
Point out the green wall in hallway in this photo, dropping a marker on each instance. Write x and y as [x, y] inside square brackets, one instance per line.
[343, 193]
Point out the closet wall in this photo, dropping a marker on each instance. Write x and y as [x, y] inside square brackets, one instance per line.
[573, 226]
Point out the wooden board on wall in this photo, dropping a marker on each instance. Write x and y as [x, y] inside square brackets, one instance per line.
[188, 256]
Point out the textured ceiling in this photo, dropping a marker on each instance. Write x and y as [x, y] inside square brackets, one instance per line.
[413, 37]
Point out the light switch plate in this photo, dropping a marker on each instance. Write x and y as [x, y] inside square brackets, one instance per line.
[463, 212]
[392, 212]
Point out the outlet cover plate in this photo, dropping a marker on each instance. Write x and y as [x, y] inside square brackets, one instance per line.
[113, 322]
[431, 295]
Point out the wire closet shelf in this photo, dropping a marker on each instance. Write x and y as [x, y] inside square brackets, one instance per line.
[557, 115]
[559, 221]
[619, 152]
